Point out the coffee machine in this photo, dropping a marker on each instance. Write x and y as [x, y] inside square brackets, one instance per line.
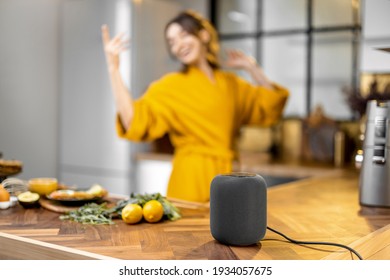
[375, 171]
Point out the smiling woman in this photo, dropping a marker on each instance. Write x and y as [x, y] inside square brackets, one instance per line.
[201, 107]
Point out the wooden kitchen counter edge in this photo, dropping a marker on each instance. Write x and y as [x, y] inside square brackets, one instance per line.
[15, 247]
[323, 208]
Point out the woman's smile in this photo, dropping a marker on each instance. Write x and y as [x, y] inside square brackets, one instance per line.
[184, 52]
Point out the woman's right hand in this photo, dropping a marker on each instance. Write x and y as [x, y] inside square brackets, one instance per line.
[123, 99]
[113, 47]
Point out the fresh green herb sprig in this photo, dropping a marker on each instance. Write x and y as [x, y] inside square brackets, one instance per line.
[90, 213]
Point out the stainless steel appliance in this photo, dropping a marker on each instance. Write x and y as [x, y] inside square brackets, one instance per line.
[375, 172]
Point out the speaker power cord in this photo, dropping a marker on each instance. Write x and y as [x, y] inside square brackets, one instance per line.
[315, 243]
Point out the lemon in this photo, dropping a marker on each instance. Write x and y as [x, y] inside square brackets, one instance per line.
[153, 211]
[132, 213]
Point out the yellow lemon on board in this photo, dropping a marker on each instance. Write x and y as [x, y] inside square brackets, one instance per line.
[153, 211]
[132, 213]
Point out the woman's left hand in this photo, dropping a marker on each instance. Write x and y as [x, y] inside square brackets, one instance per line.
[239, 60]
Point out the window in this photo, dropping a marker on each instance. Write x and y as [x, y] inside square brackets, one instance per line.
[309, 46]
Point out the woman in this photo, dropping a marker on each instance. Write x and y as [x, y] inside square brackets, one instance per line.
[201, 107]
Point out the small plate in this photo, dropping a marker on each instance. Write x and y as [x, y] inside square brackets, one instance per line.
[67, 199]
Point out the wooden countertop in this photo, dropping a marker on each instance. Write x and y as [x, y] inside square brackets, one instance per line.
[315, 209]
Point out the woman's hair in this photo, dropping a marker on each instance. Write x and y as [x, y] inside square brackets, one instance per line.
[193, 23]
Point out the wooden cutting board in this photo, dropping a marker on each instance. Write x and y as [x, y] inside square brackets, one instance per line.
[58, 207]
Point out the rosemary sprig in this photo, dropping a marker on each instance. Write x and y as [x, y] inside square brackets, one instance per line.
[90, 213]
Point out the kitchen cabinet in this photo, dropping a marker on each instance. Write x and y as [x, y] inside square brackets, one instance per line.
[153, 173]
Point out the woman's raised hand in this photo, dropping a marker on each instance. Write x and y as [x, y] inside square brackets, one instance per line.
[238, 60]
[113, 47]
[123, 99]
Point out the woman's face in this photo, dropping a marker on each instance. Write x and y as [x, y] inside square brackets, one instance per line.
[187, 48]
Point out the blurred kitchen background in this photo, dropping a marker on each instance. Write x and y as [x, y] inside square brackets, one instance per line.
[57, 112]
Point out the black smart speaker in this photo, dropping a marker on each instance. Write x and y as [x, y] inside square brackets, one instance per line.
[238, 208]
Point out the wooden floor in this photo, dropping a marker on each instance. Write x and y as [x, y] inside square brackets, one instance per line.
[319, 209]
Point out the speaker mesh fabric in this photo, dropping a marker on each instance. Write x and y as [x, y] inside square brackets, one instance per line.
[238, 208]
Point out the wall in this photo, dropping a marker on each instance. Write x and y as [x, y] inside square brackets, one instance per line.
[29, 82]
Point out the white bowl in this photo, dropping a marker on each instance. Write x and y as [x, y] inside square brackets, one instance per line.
[5, 204]
[13, 200]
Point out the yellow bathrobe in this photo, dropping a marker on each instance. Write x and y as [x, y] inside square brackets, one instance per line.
[203, 119]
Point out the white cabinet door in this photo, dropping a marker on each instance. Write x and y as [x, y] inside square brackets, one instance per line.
[153, 176]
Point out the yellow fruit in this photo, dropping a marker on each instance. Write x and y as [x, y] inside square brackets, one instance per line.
[132, 213]
[153, 211]
[4, 195]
